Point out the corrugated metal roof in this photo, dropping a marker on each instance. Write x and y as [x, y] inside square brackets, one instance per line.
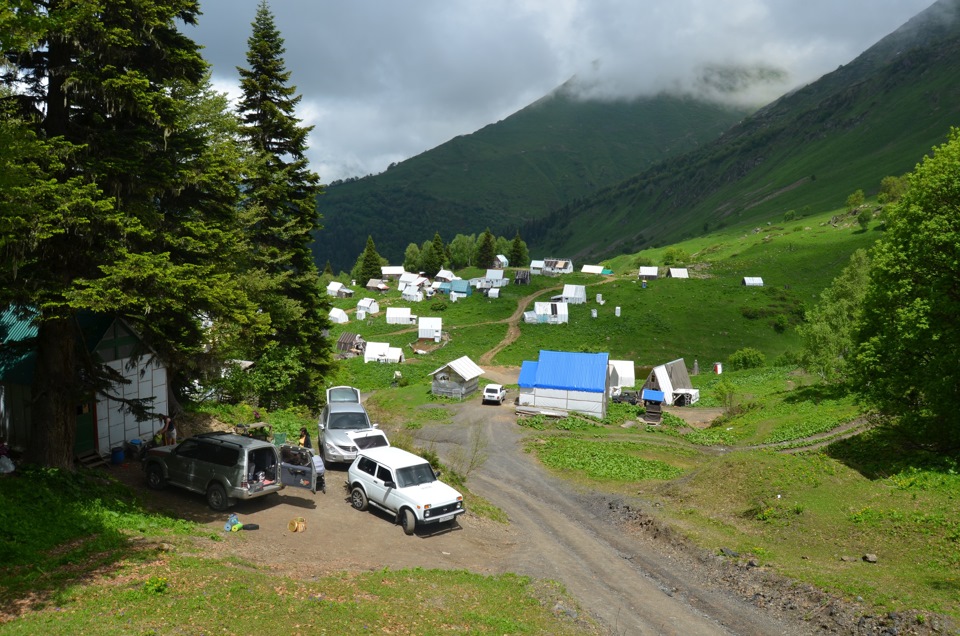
[528, 374]
[464, 367]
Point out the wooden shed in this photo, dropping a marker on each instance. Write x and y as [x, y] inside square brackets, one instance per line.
[457, 379]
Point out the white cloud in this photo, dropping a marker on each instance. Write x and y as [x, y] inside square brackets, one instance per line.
[384, 80]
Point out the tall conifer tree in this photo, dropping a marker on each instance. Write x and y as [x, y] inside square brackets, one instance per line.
[282, 191]
[118, 205]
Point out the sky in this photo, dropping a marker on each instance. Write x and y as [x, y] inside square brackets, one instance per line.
[384, 80]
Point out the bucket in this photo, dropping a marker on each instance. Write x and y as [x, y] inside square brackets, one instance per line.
[116, 455]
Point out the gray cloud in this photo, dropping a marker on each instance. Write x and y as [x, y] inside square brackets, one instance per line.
[384, 80]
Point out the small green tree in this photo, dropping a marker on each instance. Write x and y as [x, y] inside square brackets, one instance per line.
[828, 328]
[892, 189]
[675, 256]
[440, 251]
[864, 218]
[462, 249]
[411, 258]
[855, 200]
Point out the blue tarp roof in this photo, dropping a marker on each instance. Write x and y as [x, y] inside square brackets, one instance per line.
[566, 371]
[528, 374]
[653, 396]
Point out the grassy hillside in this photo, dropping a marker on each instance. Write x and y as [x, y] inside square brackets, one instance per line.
[875, 117]
[548, 154]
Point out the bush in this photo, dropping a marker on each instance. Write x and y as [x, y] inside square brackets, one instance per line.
[746, 358]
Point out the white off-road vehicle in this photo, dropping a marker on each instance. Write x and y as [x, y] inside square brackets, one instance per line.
[494, 393]
[404, 484]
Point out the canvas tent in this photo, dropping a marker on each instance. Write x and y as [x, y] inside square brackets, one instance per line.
[752, 281]
[368, 305]
[412, 294]
[338, 290]
[622, 374]
[444, 275]
[391, 271]
[677, 272]
[456, 379]
[500, 261]
[565, 381]
[574, 294]
[649, 272]
[536, 267]
[672, 378]
[400, 316]
[592, 269]
[338, 316]
[430, 328]
[382, 352]
[547, 313]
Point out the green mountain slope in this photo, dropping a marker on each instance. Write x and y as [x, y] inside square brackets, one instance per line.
[544, 156]
[874, 117]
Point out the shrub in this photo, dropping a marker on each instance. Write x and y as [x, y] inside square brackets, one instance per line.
[746, 358]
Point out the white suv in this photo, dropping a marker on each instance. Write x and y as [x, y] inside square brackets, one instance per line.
[494, 393]
[394, 480]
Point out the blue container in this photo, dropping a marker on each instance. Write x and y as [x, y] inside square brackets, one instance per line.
[116, 455]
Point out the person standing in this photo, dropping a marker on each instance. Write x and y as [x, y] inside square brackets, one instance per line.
[305, 438]
[169, 430]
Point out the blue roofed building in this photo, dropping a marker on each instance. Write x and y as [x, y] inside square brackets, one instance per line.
[563, 382]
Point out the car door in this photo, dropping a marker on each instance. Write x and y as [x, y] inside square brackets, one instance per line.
[377, 490]
[182, 464]
[297, 469]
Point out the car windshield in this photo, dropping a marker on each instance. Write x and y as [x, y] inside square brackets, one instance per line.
[415, 475]
[348, 421]
[371, 441]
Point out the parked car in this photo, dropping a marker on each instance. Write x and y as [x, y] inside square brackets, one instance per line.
[404, 484]
[494, 393]
[343, 394]
[337, 421]
[226, 467]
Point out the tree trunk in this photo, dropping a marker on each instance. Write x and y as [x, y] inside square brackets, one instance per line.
[54, 395]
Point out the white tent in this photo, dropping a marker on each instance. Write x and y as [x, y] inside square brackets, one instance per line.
[649, 272]
[494, 293]
[338, 289]
[430, 328]
[549, 313]
[574, 294]
[592, 269]
[382, 352]
[400, 316]
[369, 305]
[672, 378]
[444, 275]
[391, 271]
[412, 294]
[752, 281]
[536, 267]
[622, 373]
[338, 316]
[677, 272]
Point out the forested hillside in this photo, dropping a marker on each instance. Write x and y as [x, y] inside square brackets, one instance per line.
[877, 116]
[546, 155]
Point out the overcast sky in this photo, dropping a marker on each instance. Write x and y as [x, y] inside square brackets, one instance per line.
[384, 80]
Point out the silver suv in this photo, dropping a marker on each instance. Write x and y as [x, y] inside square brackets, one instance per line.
[341, 429]
[402, 483]
[226, 467]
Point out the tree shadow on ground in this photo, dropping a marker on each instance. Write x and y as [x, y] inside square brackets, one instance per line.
[887, 450]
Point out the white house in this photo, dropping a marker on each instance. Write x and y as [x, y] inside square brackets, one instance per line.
[554, 266]
[752, 281]
[592, 269]
[338, 316]
[368, 305]
[430, 328]
[493, 278]
[574, 294]
[400, 316]
[391, 271]
[649, 272]
[444, 276]
[536, 267]
[562, 382]
[412, 294]
[500, 261]
[550, 313]
[677, 272]
[382, 352]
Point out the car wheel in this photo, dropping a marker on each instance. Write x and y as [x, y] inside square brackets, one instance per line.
[409, 521]
[358, 498]
[217, 497]
[155, 479]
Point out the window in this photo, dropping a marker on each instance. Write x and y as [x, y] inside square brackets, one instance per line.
[189, 448]
[415, 475]
[383, 474]
[367, 465]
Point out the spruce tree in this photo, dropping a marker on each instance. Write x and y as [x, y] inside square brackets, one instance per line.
[369, 263]
[113, 200]
[282, 191]
[518, 255]
[486, 249]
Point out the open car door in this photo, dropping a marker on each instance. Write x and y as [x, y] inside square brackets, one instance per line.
[297, 469]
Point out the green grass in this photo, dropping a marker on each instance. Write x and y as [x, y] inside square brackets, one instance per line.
[80, 555]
